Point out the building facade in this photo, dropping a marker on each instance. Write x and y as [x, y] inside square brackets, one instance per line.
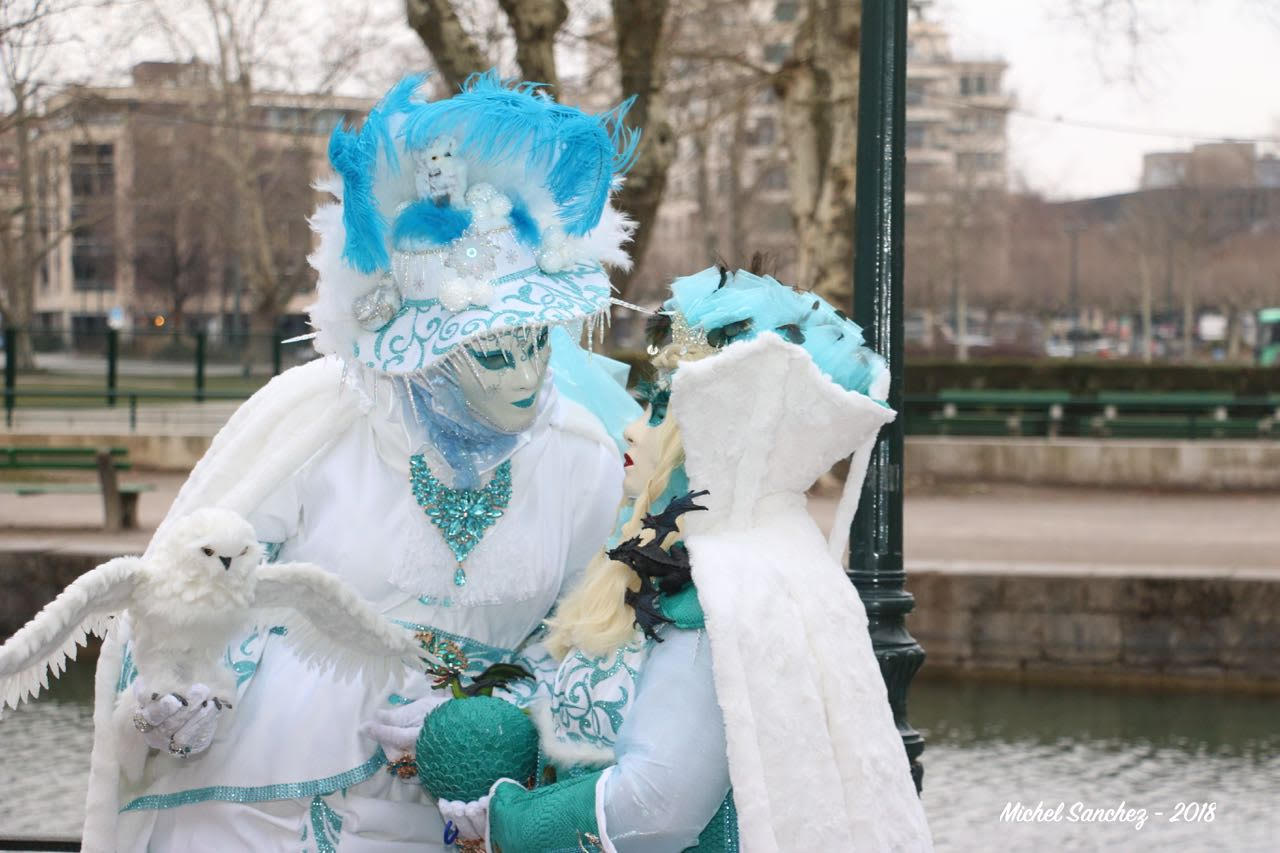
[728, 192]
[141, 181]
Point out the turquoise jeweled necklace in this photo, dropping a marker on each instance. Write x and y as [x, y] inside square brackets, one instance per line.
[463, 516]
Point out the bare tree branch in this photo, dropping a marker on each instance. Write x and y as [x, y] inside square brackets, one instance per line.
[535, 24]
[453, 50]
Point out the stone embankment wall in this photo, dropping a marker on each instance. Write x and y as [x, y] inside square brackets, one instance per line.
[1046, 624]
[1119, 463]
[1101, 625]
[31, 579]
[1108, 463]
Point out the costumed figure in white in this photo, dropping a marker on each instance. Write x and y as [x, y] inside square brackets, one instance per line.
[718, 690]
[429, 460]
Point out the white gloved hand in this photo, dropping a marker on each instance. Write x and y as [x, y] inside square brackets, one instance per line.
[396, 729]
[471, 820]
[180, 725]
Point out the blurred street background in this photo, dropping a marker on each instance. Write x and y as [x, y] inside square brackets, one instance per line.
[1092, 285]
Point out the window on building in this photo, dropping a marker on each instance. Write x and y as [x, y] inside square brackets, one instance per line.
[786, 11]
[764, 133]
[915, 134]
[93, 262]
[92, 170]
[776, 53]
[915, 94]
[774, 178]
[776, 217]
[973, 84]
[978, 161]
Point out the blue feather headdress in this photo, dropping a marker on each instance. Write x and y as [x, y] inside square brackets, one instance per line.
[354, 156]
[578, 154]
[467, 217]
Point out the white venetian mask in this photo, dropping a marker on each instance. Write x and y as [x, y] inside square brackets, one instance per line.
[504, 377]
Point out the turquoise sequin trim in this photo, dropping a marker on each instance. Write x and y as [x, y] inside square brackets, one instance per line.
[479, 655]
[463, 516]
[128, 670]
[326, 826]
[283, 791]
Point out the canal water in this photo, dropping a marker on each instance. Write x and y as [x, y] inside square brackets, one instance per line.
[1107, 769]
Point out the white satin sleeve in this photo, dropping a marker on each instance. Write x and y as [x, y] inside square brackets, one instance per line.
[278, 517]
[672, 770]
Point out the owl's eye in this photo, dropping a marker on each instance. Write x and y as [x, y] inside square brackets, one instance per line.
[208, 552]
[245, 551]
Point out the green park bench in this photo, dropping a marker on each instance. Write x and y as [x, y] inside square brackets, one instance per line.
[991, 413]
[119, 500]
[1183, 414]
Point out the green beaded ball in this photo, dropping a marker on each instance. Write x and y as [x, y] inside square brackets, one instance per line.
[468, 744]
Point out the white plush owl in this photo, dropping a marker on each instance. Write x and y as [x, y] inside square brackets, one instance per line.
[204, 581]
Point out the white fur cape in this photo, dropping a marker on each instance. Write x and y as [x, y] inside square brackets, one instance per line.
[815, 759]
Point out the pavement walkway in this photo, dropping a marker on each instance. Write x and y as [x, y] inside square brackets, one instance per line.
[995, 527]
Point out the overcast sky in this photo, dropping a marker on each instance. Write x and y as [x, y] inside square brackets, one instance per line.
[1209, 68]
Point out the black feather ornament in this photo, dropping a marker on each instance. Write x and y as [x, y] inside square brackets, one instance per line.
[662, 571]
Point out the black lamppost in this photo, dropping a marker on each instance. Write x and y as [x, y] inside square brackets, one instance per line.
[875, 558]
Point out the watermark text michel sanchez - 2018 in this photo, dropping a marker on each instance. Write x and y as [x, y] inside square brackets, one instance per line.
[1078, 812]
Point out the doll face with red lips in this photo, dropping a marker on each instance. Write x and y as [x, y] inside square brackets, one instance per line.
[642, 454]
[503, 388]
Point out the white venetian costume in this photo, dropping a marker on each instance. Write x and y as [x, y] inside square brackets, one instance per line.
[322, 459]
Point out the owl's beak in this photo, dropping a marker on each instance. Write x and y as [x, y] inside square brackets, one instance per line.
[226, 562]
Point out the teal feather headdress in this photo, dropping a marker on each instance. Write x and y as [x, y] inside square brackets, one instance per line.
[715, 307]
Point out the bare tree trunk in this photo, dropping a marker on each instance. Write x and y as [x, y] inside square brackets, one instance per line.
[708, 218]
[22, 287]
[1188, 320]
[819, 88]
[1144, 280]
[737, 212]
[453, 50]
[535, 24]
[640, 29]
[1234, 314]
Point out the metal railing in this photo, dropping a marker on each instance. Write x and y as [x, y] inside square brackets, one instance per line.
[70, 402]
[1047, 414]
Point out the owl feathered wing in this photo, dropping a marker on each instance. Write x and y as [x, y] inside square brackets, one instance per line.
[330, 626]
[43, 646]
